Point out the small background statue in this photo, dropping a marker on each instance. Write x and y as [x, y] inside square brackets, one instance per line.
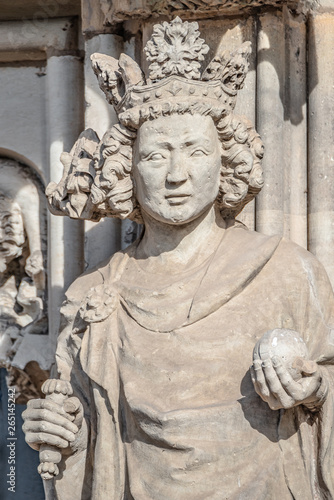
[22, 277]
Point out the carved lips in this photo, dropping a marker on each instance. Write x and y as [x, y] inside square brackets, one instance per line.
[177, 198]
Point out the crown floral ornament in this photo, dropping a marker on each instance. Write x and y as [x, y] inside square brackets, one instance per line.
[97, 178]
[175, 49]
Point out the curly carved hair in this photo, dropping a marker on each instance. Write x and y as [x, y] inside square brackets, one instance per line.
[241, 172]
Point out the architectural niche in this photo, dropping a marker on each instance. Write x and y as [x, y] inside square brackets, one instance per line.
[22, 278]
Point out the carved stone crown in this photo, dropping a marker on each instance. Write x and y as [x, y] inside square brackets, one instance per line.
[175, 52]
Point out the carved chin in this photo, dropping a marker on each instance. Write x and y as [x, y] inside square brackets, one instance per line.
[179, 215]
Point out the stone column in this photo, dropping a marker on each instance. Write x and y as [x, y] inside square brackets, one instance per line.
[65, 236]
[294, 153]
[321, 139]
[270, 120]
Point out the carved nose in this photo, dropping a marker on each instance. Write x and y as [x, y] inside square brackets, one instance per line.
[177, 172]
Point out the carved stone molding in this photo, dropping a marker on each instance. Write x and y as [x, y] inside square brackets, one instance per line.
[120, 10]
[26, 40]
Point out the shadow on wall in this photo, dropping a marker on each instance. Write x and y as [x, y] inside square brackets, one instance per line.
[284, 47]
[278, 38]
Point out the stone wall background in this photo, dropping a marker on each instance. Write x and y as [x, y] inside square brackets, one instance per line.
[49, 94]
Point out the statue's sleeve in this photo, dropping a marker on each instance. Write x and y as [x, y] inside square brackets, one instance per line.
[85, 356]
[319, 325]
[74, 481]
[312, 301]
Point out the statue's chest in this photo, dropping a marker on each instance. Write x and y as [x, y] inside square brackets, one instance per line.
[207, 361]
[188, 404]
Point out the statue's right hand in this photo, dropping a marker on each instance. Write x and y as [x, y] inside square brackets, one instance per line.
[47, 422]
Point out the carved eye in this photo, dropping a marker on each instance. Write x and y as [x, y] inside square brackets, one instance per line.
[198, 153]
[156, 157]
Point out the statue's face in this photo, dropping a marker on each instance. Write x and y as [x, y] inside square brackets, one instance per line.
[177, 167]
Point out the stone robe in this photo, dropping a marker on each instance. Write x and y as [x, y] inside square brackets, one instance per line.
[162, 370]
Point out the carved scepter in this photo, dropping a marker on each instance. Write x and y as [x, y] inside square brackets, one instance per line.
[57, 391]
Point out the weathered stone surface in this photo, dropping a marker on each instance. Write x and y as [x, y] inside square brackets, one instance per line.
[154, 396]
[31, 40]
[93, 19]
[38, 11]
[119, 10]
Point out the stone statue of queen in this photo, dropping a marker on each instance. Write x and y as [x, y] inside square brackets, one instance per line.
[155, 399]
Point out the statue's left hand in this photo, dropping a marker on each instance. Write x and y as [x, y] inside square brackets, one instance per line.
[275, 385]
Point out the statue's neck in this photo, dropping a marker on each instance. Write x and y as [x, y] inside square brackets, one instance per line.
[174, 246]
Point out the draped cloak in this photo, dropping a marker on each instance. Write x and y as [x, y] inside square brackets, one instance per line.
[163, 375]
